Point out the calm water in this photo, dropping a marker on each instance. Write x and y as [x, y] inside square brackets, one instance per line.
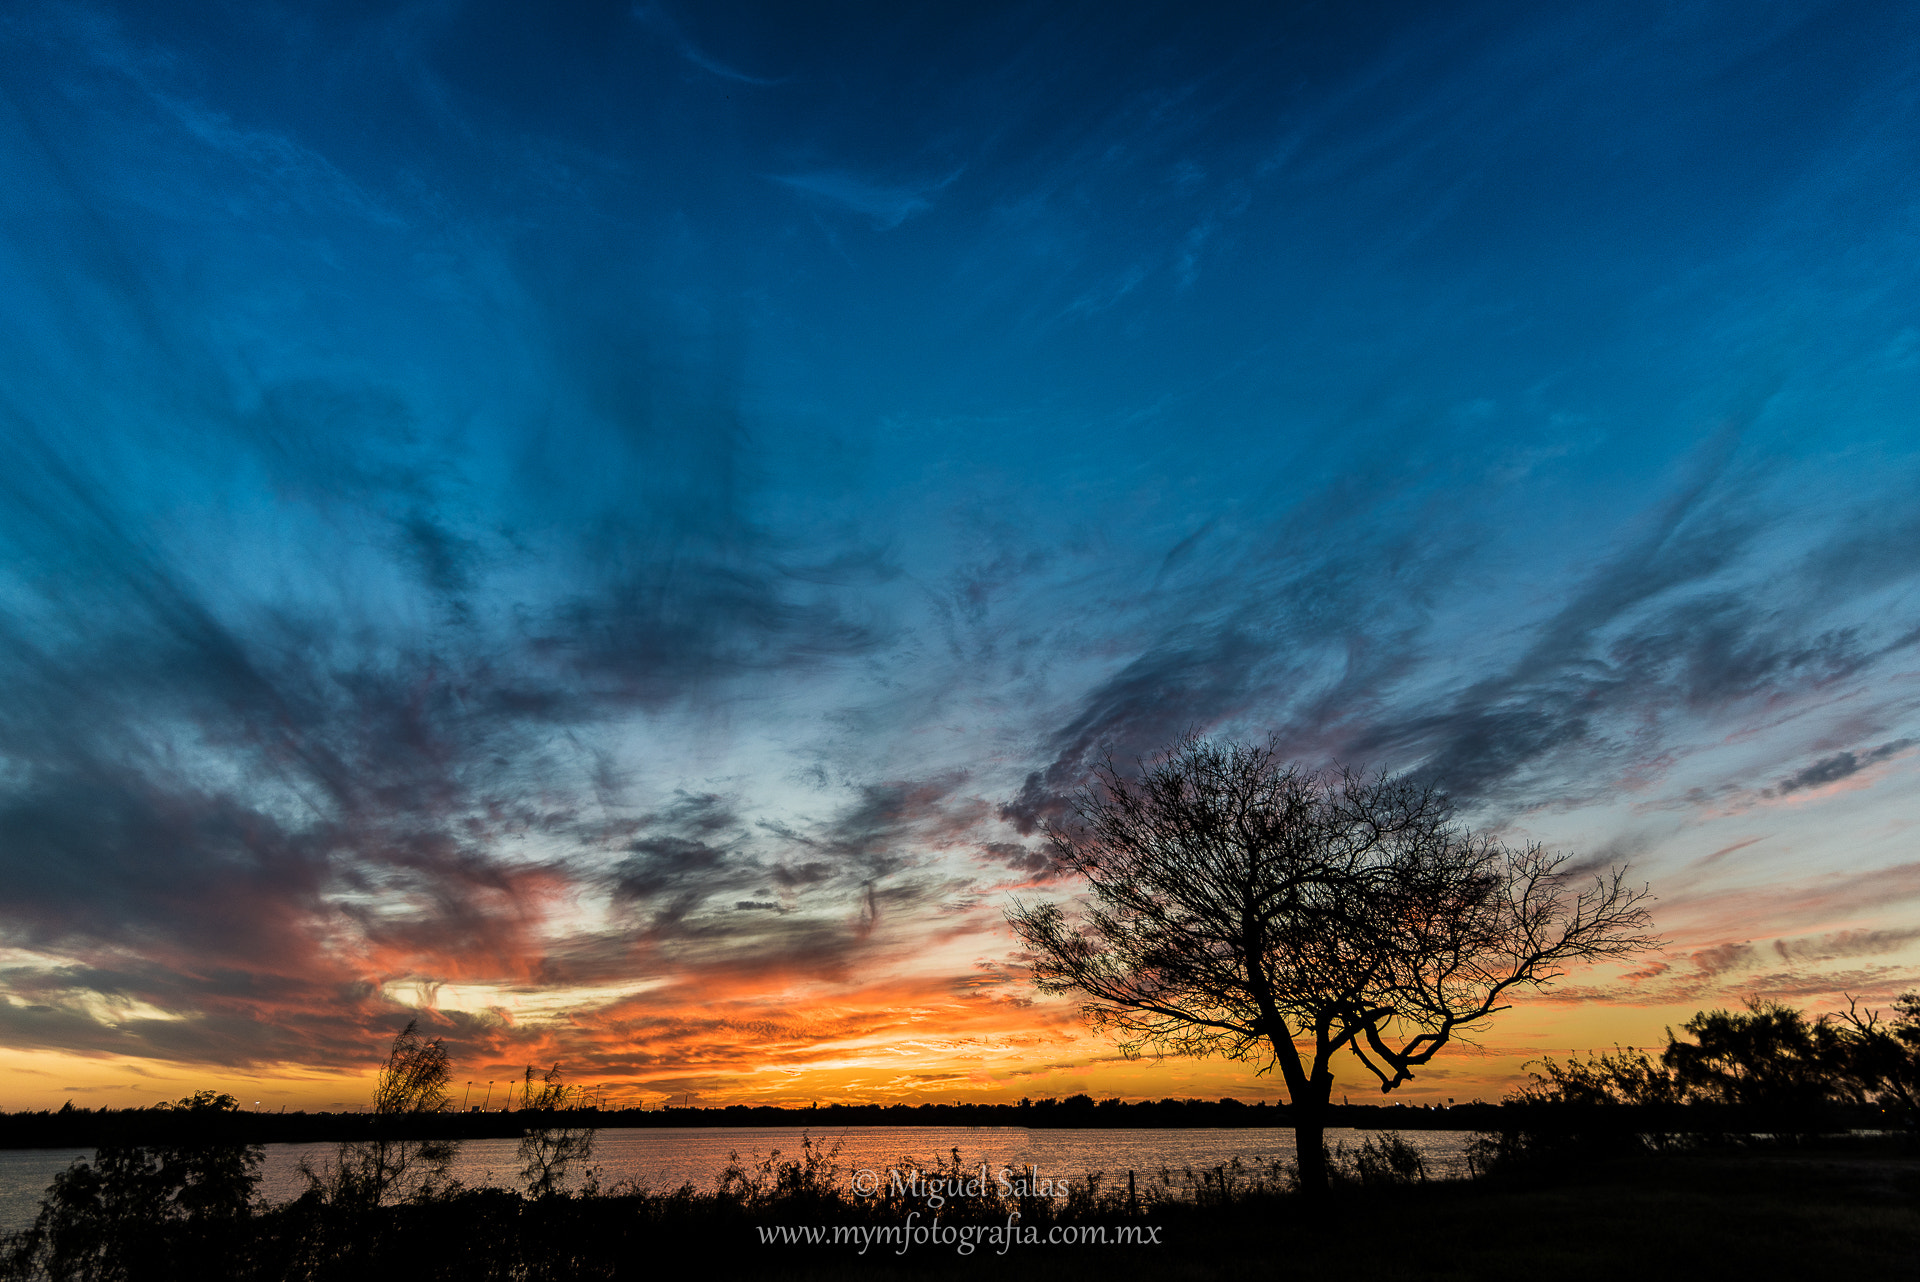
[665, 1158]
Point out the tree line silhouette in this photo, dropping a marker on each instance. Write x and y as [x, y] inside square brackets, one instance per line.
[1769, 1056]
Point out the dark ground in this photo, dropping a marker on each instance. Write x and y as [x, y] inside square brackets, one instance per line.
[1838, 1211]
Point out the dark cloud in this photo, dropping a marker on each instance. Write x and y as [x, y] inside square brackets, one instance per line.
[1026, 861]
[1844, 943]
[705, 892]
[660, 864]
[1148, 704]
[1722, 958]
[1729, 849]
[1835, 768]
[1631, 635]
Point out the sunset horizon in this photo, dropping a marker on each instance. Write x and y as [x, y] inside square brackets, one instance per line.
[614, 534]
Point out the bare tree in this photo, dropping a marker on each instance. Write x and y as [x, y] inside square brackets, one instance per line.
[1883, 1060]
[1245, 907]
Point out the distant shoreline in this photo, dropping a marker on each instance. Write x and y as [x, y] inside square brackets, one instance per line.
[90, 1128]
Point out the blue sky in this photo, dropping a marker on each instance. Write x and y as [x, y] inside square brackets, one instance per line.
[615, 524]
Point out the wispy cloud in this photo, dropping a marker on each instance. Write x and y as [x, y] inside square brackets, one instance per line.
[887, 205]
[657, 18]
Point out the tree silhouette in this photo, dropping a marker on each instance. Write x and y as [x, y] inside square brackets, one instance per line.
[552, 1144]
[1243, 906]
[161, 1205]
[395, 1163]
[1769, 1056]
[1627, 1077]
[1883, 1059]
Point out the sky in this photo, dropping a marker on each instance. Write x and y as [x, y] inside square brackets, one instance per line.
[609, 528]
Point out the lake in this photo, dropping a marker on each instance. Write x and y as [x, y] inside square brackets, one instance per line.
[663, 1158]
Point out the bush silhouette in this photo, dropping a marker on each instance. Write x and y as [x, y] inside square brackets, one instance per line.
[160, 1206]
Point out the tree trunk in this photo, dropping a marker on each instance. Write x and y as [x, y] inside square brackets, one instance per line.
[1310, 1139]
[1310, 1116]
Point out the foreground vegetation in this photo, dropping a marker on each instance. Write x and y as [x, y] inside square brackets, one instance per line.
[1845, 1205]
